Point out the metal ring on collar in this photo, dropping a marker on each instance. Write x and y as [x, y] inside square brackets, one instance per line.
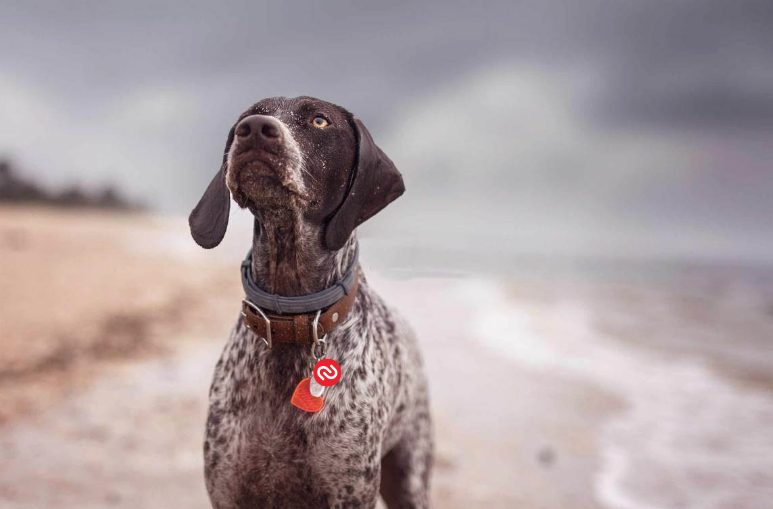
[318, 346]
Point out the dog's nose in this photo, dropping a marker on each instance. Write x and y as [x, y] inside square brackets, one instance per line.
[259, 128]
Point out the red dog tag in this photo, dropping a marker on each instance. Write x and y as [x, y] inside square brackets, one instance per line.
[303, 399]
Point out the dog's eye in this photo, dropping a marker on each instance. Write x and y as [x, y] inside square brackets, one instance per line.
[320, 122]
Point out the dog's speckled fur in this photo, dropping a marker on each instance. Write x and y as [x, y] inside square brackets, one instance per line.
[374, 432]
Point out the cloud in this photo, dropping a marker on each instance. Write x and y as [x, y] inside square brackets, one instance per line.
[692, 64]
[135, 141]
[506, 159]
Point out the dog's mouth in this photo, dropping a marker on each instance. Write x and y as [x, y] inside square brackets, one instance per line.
[263, 179]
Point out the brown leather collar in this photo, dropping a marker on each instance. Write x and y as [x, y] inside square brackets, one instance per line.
[298, 328]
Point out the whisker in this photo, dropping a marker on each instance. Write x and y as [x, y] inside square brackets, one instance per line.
[304, 170]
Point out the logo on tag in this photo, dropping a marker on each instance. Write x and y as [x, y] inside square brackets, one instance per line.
[327, 372]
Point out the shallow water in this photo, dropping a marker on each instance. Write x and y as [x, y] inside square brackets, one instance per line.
[690, 436]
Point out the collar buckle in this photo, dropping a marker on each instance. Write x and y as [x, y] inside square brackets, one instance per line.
[247, 305]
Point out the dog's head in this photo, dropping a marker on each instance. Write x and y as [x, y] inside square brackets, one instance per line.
[302, 155]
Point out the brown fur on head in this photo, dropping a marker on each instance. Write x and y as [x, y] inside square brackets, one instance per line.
[298, 160]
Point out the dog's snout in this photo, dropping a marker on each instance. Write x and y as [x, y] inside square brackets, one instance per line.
[259, 129]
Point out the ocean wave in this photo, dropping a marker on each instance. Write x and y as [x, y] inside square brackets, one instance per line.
[688, 438]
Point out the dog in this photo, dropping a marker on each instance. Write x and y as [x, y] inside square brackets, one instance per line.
[310, 173]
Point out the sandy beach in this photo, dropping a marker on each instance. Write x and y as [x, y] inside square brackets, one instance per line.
[568, 389]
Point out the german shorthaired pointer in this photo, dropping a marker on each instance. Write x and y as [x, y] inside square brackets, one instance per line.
[310, 173]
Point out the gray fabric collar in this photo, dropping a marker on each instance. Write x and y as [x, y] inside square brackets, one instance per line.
[304, 303]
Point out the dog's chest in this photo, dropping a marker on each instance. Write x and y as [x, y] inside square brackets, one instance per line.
[259, 446]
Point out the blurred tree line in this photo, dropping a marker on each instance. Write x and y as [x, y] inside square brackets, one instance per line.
[15, 188]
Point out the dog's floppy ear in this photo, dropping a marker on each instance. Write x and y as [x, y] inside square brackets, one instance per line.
[375, 184]
[209, 220]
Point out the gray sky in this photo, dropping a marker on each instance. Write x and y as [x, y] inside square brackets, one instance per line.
[583, 127]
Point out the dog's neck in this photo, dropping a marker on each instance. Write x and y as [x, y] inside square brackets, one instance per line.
[289, 257]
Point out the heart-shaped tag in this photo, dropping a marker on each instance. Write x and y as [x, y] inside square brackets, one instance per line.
[303, 399]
